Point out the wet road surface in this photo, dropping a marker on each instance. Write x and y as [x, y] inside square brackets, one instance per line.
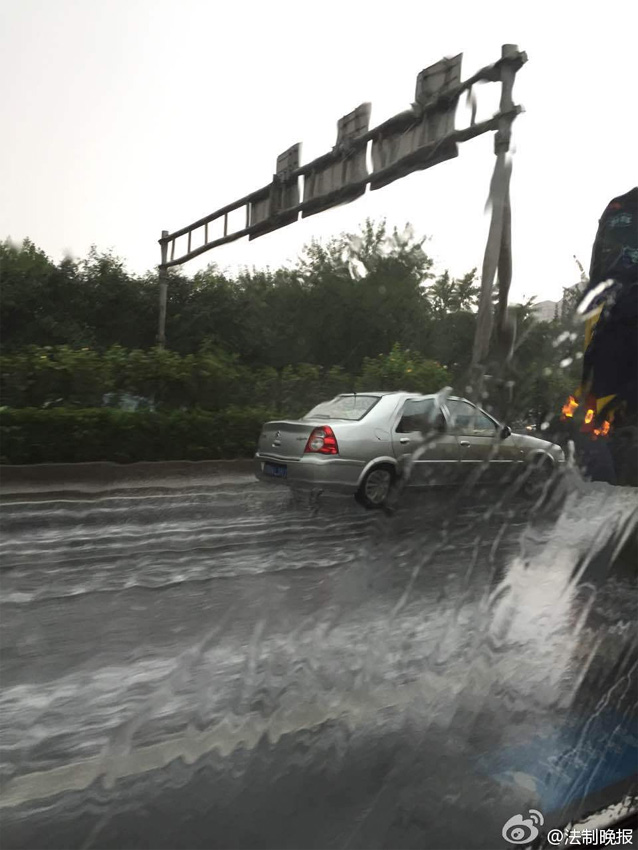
[226, 667]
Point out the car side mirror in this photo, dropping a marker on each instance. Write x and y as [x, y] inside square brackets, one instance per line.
[505, 432]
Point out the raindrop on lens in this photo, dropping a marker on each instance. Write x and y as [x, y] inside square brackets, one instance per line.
[587, 308]
[560, 338]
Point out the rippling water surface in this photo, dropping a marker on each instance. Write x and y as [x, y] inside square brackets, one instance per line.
[225, 667]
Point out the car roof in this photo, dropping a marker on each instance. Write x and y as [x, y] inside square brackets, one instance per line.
[405, 393]
[384, 393]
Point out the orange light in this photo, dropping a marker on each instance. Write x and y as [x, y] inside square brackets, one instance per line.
[603, 430]
[589, 416]
[569, 407]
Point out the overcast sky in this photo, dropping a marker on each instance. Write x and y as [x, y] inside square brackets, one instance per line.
[125, 117]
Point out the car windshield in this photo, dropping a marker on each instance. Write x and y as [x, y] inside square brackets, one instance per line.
[352, 407]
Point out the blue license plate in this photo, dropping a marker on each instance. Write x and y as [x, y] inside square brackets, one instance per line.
[277, 470]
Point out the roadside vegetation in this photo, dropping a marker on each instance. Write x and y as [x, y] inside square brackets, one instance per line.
[81, 376]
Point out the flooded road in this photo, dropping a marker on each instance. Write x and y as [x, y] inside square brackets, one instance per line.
[225, 667]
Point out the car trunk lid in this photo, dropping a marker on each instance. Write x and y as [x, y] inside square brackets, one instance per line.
[286, 439]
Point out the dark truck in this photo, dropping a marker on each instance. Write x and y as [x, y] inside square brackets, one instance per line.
[601, 417]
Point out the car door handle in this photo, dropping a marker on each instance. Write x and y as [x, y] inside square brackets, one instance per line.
[465, 444]
[404, 440]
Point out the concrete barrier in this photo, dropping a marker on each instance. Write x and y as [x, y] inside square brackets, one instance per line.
[50, 479]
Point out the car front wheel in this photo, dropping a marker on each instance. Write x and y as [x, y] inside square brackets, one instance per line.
[376, 487]
[538, 472]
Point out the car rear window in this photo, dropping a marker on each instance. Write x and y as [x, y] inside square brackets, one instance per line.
[353, 407]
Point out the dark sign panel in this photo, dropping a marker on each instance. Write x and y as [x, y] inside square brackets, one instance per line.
[341, 176]
[270, 210]
[415, 139]
[423, 140]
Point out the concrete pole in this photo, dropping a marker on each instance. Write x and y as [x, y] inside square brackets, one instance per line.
[498, 251]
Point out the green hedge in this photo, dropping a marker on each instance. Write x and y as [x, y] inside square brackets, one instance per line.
[63, 377]
[74, 436]
[204, 406]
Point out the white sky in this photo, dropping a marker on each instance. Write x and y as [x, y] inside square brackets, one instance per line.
[125, 117]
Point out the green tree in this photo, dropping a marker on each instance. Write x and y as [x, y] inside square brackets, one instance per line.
[402, 369]
[364, 293]
[349, 299]
[118, 307]
[41, 303]
[94, 302]
[546, 363]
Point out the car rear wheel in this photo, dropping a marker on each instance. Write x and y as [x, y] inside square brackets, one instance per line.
[376, 487]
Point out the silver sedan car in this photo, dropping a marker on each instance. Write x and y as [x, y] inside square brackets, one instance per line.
[363, 443]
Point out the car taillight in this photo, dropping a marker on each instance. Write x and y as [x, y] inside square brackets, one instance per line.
[322, 441]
